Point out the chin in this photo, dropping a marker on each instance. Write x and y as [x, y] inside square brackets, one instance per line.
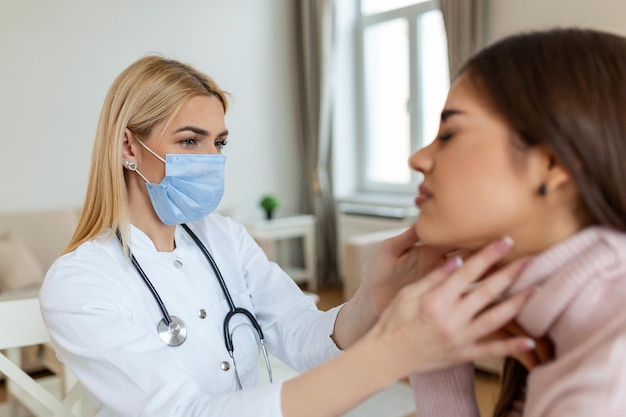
[428, 234]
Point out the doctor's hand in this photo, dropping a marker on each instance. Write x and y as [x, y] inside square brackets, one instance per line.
[397, 262]
[438, 322]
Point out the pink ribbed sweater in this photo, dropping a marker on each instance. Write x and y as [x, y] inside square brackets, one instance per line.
[580, 303]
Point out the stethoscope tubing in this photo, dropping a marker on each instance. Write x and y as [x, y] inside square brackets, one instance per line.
[168, 321]
[157, 297]
[233, 310]
[144, 277]
[216, 270]
[228, 340]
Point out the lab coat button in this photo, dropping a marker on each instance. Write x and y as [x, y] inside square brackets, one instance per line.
[178, 264]
[225, 366]
[202, 313]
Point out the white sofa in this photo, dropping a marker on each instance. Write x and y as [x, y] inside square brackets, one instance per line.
[355, 252]
[29, 243]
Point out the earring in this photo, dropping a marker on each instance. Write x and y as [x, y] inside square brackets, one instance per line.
[543, 189]
[131, 165]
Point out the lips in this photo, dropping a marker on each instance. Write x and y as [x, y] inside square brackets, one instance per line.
[423, 195]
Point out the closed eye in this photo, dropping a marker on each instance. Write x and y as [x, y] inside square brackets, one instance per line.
[443, 137]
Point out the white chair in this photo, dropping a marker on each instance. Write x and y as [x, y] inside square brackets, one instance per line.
[22, 325]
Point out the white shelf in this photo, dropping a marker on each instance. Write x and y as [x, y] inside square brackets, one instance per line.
[268, 233]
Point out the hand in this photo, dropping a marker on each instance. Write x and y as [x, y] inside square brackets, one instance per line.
[398, 261]
[542, 353]
[436, 322]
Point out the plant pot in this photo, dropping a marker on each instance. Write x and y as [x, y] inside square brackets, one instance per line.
[269, 214]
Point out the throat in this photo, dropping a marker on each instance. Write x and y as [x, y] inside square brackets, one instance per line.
[165, 245]
[162, 237]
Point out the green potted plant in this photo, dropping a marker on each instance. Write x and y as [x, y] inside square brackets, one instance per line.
[269, 203]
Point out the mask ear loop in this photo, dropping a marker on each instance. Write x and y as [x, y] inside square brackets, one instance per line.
[150, 150]
[134, 164]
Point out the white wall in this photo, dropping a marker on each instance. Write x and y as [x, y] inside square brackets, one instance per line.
[58, 58]
[505, 17]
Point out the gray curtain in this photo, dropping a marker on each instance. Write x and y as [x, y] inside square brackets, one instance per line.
[315, 43]
[464, 22]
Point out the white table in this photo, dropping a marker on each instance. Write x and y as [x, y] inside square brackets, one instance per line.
[268, 233]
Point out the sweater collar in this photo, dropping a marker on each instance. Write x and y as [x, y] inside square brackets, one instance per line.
[561, 273]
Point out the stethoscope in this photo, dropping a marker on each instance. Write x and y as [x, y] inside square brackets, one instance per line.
[173, 330]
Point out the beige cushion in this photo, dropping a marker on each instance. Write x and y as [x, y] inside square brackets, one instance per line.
[18, 265]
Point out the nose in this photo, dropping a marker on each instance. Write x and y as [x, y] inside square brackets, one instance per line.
[422, 160]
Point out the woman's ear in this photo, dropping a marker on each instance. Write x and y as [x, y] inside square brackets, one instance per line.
[127, 148]
[557, 175]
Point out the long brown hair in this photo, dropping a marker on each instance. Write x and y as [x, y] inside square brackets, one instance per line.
[565, 89]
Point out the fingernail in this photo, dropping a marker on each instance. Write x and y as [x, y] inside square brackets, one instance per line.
[453, 264]
[530, 343]
[504, 244]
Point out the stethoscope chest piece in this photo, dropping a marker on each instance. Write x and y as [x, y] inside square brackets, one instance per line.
[175, 333]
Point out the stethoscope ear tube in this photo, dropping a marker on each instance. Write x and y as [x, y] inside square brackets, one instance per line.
[216, 270]
[228, 338]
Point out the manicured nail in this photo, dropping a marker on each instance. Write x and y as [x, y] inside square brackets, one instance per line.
[504, 244]
[530, 343]
[453, 264]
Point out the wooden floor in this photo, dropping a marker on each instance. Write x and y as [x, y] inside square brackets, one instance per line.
[487, 385]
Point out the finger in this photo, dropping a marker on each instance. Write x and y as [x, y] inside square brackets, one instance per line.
[514, 328]
[477, 264]
[494, 317]
[472, 270]
[542, 353]
[497, 349]
[528, 359]
[397, 245]
[429, 307]
[487, 292]
[432, 279]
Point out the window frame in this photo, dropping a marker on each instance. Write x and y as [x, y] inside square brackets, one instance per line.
[411, 14]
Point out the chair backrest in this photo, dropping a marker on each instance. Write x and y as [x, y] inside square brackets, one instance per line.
[24, 326]
[46, 233]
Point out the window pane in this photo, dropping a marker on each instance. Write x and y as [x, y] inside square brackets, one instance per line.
[378, 6]
[387, 120]
[433, 66]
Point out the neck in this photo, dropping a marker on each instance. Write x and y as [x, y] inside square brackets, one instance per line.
[162, 236]
[532, 240]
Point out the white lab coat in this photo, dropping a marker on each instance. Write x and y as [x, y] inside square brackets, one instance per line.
[102, 320]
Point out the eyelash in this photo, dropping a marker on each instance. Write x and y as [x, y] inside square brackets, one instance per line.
[445, 137]
[189, 142]
[220, 144]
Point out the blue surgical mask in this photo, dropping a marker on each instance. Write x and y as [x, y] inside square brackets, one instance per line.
[191, 189]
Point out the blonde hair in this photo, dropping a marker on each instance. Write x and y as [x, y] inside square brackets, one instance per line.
[151, 90]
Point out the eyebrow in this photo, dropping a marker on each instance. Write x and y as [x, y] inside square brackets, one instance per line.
[446, 114]
[193, 129]
[199, 131]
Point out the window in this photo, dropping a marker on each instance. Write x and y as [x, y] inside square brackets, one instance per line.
[403, 71]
